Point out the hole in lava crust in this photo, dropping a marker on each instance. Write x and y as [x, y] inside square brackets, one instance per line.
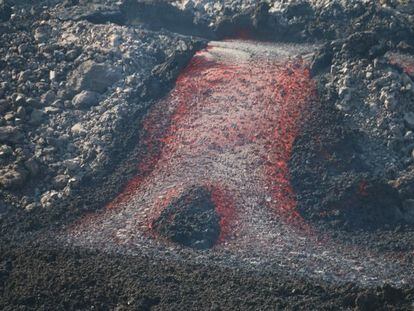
[190, 219]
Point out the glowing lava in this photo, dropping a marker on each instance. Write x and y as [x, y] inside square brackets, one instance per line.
[229, 126]
[404, 61]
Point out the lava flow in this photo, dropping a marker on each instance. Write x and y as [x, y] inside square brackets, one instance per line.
[228, 126]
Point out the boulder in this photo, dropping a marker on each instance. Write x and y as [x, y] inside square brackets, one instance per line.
[85, 99]
[49, 198]
[37, 117]
[11, 178]
[95, 77]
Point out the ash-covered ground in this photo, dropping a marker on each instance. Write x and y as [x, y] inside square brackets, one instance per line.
[206, 155]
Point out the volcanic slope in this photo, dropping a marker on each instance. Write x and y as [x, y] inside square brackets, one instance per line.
[228, 127]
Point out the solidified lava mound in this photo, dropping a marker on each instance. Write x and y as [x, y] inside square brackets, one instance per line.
[190, 220]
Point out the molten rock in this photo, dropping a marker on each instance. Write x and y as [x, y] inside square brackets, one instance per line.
[190, 220]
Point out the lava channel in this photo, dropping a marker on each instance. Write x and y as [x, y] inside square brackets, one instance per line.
[226, 131]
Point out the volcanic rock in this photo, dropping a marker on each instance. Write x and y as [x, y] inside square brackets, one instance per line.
[85, 99]
[5, 11]
[77, 129]
[12, 177]
[409, 120]
[49, 198]
[361, 203]
[10, 134]
[367, 302]
[4, 105]
[92, 76]
[32, 166]
[321, 60]
[408, 210]
[42, 33]
[190, 220]
[5, 151]
[37, 117]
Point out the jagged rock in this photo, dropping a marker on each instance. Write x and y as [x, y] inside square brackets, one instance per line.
[367, 302]
[5, 11]
[409, 120]
[32, 166]
[85, 99]
[20, 112]
[11, 178]
[4, 105]
[42, 33]
[51, 110]
[408, 210]
[37, 117]
[71, 55]
[11, 134]
[321, 60]
[5, 151]
[78, 129]
[31, 206]
[48, 97]
[49, 198]
[60, 181]
[95, 77]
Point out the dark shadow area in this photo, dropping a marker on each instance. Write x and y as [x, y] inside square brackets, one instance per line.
[190, 220]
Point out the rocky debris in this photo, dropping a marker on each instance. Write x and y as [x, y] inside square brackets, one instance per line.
[37, 117]
[190, 220]
[367, 129]
[409, 120]
[71, 89]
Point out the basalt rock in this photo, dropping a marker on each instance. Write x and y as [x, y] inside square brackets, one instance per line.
[85, 99]
[95, 77]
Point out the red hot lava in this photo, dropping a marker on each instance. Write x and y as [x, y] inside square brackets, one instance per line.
[230, 123]
[229, 126]
[404, 61]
